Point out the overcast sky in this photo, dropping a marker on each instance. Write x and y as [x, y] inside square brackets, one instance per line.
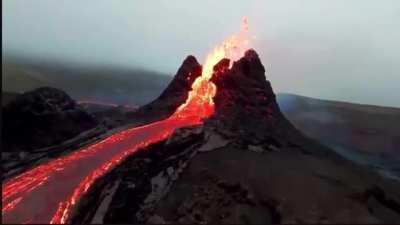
[343, 49]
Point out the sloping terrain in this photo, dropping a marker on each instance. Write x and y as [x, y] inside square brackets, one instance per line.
[246, 164]
[41, 118]
[365, 134]
[15, 79]
[368, 128]
[172, 97]
[234, 185]
[38, 188]
[104, 83]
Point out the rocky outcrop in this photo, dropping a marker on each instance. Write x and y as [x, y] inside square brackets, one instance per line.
[245, 93]
[173, 96]
[140, 182]
[245, 105]
[42, 117]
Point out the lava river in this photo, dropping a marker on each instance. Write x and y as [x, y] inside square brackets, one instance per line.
[47, 193]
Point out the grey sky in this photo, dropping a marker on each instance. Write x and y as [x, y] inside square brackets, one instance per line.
[344, 50]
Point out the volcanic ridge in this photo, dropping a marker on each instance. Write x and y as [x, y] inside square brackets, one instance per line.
[246, 163]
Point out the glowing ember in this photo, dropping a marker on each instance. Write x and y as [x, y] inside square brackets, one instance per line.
[32, 196]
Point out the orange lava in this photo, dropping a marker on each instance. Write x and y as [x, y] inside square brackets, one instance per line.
[200, 99]
[198, 106]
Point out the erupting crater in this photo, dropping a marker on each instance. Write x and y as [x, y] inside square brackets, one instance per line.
[48, 192]
[200, 101]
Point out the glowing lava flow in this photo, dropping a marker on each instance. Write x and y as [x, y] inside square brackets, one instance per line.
[35, 194]
[200, 99]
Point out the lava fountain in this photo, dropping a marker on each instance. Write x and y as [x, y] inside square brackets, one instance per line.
[200, 99]
[49, 192]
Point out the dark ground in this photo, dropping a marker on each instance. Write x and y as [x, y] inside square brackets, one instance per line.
[226, 172]
[233, 186]
[231, 174]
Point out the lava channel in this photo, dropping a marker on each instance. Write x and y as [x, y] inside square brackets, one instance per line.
[47, 193]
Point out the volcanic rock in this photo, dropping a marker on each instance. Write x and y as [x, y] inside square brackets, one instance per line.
[226, 176]
[245, 104]
[43, 117]
[142, 180]
[173, 96]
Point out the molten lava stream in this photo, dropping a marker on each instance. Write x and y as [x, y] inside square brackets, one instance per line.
[48, 192]
[35, 195]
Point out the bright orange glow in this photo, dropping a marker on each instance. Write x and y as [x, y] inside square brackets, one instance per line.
[200, 99]
[64, 180]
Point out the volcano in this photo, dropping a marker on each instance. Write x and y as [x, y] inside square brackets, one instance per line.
[214, 147]
[243, 163]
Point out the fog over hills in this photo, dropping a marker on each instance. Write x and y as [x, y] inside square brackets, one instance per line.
[339, 50]
[366, 134]
[364, 127]
[101, 82]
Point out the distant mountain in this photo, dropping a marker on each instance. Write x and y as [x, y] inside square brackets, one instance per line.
[105, 83]
[16, 79]
[366, 128]
[368, 135]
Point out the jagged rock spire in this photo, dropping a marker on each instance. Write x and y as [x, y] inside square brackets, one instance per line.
[245, 102]
[174, 95]
[182, 82]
